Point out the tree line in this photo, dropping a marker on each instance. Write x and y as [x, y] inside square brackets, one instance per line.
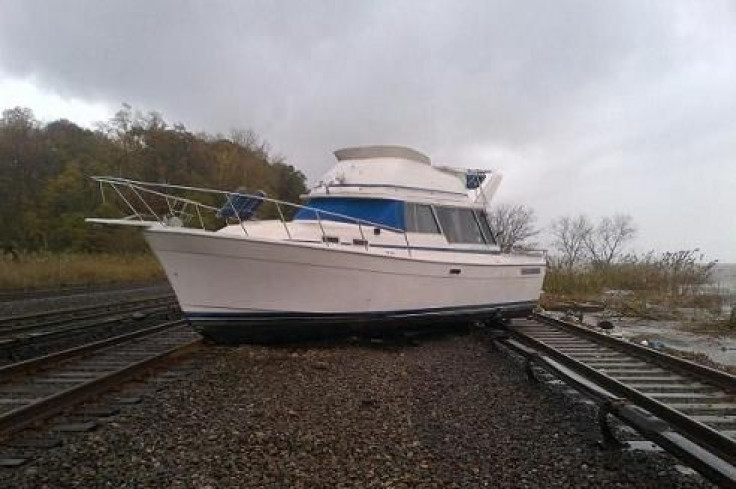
[45, 170]
[47, 192]
[575, 240]
[587, 255]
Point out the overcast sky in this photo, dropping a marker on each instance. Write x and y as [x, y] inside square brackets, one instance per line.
[586, 106]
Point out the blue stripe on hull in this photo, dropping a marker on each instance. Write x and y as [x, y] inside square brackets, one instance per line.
[229, 327]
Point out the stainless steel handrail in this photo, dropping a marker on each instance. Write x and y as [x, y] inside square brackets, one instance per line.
[139, 189]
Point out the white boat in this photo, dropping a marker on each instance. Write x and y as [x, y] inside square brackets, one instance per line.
[384, 238]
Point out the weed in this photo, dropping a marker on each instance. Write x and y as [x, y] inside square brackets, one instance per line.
[652, 286]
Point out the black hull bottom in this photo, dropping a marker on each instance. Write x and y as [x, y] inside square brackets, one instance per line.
[297, 327]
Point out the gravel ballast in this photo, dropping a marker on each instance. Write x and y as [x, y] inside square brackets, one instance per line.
[446, 413]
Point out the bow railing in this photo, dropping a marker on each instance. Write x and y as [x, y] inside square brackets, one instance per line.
[175, 206]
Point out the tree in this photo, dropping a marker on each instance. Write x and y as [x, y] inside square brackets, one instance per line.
[45, 169]
[570, 237]
[65, 201]
[512, 224]
[605, 243]
[21, 171]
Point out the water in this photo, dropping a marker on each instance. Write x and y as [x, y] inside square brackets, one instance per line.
[720, 348]
[724, 278]
[723, 281]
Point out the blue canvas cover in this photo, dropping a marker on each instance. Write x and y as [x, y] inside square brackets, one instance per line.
[242, 206]
[389, 213]
[474, 180]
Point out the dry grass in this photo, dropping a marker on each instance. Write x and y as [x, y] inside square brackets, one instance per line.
[590, 281]
[671, 281]
[41, 270]
[673, 273]
[669, 286]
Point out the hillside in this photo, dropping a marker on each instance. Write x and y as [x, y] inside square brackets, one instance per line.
[45, 169]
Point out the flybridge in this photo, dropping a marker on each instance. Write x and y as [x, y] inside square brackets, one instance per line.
[400, 173]
[373, 152]
[474, 177]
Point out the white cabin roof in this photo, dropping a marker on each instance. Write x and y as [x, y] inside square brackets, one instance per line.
[377, 152]
[392, 172]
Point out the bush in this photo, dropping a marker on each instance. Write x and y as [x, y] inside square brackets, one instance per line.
[675, 278]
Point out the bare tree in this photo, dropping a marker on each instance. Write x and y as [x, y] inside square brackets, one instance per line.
[512, 224]
[570, 237]
[124, 128]
[606, 242]
[249, 140]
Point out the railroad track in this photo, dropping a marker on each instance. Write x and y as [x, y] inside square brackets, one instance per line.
[35, 389]
[685, 408]
[22, 323]
[24, 335]
[64, 291]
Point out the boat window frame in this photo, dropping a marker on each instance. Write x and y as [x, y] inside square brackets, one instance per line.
[482, 216]
[437, 226]
[437, 220]
[483, 240]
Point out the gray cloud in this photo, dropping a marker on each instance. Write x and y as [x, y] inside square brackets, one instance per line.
[586, 106]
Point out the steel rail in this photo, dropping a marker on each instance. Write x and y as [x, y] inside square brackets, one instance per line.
[649, 426]
[25, 366]
[13, 344]
[42, 332]
[706, 449]
[724, 380]
[81, 323]
[18, 294]
[47, 406]
[705, 434]
[68, 313]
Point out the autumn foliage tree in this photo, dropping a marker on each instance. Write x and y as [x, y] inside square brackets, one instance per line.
[45, 170]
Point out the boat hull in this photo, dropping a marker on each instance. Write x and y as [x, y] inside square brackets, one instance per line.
[238, 289]
[282, 327]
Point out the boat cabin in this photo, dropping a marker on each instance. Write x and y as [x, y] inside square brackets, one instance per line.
[462, 225]
[398, 188]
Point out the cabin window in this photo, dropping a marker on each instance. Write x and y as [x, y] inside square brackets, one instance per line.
[459, 225]
[389, 213]
[420, 219]
[485, 227]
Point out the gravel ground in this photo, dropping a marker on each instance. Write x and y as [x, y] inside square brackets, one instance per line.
[446, 413]
[101, 296]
